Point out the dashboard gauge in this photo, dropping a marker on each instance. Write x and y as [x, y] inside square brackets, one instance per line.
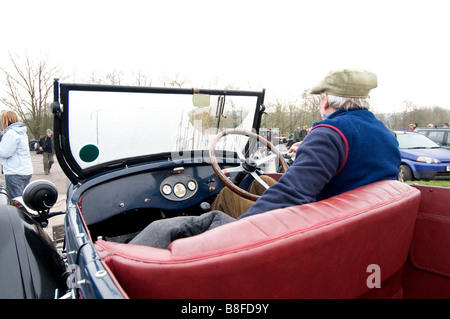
[178, 187]
[191, 185]
[167, 189]
[179, 190]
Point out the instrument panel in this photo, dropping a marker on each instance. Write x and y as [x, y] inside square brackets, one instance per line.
[178, 187]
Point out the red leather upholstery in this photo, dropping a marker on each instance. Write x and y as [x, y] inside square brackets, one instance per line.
[427, 274]
[318, 250]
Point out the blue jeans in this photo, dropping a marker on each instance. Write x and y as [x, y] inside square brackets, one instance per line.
[15, 184]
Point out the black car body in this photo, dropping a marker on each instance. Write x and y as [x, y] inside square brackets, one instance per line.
[31, 265]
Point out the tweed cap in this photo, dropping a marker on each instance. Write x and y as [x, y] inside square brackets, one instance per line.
[347, 82]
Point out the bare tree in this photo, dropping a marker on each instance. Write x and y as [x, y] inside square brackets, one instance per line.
[289, 113]
[28, 85]
[310, 107]
[94, 78]
[141, 79]
[114, 77]
[174, 81]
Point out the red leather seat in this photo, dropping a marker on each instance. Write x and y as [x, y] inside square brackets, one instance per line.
[325, 249]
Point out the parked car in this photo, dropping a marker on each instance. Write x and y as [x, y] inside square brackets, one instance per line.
[134, 155]
[440, 135]
[421, 157]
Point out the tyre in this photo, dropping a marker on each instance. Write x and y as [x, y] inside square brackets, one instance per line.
[405, 173]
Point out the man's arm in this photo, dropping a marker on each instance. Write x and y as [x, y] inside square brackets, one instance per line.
[318, 158]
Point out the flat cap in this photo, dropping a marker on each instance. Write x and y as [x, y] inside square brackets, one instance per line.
[347, 82]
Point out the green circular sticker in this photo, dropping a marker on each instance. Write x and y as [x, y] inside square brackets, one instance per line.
[89, 153]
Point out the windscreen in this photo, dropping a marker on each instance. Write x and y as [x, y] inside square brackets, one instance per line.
[415, 141]
[109, 126]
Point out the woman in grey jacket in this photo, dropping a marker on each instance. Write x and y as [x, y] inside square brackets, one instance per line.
[15, 154]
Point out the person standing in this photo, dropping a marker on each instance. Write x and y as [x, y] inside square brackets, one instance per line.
[297, 134]
[303, 133]
[46, 146]
[15, 154]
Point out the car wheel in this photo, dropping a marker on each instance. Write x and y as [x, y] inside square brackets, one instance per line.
[405, 173]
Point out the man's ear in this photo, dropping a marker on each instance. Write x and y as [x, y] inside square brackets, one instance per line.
[325, 101]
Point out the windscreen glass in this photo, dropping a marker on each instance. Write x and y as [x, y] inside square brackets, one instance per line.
[110, 126]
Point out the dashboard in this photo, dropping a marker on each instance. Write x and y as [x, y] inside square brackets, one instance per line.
[169, 189]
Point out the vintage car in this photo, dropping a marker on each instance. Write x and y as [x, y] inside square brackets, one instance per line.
[135, 155]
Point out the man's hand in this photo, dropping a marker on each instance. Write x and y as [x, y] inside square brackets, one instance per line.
[294, 147]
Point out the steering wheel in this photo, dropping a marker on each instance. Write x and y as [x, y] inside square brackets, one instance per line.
[247, 166]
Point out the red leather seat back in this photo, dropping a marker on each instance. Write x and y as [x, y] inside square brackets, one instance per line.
[325, 249]
[427, 275]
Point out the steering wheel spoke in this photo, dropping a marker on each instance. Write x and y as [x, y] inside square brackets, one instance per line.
[265, 159]
[236, 169]
[240, 155]
[260, 180]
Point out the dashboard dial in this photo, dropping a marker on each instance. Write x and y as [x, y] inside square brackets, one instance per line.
[167, 189]
[191, 185]
[179, 190]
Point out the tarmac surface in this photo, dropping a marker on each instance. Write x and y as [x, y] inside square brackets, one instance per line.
[58, 178]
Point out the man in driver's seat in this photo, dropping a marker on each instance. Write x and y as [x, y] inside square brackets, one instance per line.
[349, 148]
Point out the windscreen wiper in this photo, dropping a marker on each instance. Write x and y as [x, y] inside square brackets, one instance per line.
[219, 110]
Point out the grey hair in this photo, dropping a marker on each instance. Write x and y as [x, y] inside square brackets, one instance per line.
[338, 102]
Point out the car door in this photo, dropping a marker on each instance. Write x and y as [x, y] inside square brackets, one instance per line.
[437, 136]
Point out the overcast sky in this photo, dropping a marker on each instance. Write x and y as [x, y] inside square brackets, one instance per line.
[282, 46]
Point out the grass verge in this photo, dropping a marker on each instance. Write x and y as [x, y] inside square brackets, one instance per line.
[440, 183]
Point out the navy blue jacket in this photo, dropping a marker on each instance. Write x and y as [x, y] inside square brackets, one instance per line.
[348, 150]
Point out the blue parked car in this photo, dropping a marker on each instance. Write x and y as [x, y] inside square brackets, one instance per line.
[421, 157]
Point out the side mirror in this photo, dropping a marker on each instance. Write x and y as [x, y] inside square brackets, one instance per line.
[33, 145]
[40, 195]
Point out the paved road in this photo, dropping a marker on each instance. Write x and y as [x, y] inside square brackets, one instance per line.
[58, 178]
